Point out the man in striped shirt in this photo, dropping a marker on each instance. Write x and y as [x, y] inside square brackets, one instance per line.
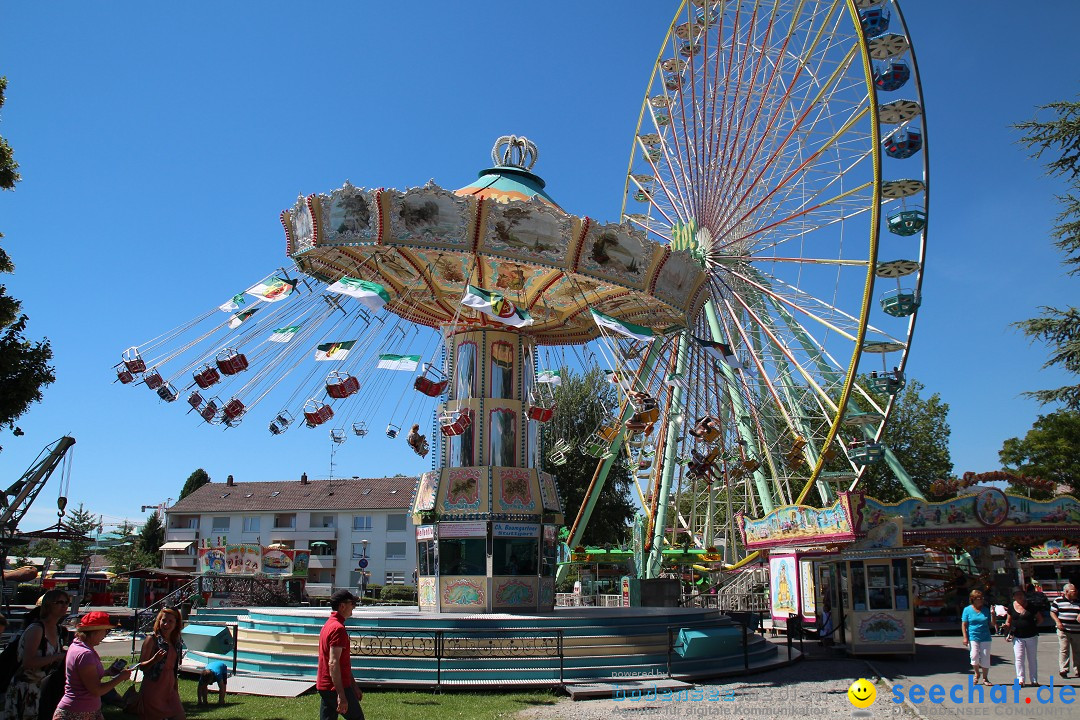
[1065, 612]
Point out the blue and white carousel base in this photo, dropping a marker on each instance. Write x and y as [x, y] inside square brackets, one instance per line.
[407, 648]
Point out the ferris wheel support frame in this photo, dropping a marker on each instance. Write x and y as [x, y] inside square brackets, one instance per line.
[746, 432]
[654, 562]
[603, 468]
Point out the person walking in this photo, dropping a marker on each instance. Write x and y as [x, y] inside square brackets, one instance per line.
[159, 696]
[1064, 611]
[977, 624]
[1022, 626]
[40, 651]
[334, 681]
[85, 681]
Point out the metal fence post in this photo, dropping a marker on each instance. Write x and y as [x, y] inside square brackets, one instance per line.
[562, 681]
[438, 660]
[745, 648]
[670, 647]
[235, 629]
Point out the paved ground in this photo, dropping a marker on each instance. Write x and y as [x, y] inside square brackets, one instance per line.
[817, 687]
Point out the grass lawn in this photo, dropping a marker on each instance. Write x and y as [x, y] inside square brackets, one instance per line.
[377, 704]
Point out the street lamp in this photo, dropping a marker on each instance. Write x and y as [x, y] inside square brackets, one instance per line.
[363, 568]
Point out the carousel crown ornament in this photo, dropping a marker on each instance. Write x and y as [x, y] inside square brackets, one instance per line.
[514, 151]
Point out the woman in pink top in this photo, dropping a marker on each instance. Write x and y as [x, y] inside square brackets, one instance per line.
[85, 681]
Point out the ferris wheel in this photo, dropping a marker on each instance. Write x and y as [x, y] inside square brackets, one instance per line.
[783, 145]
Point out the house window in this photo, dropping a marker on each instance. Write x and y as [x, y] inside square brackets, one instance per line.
[322, 521]
[361, 522]
[395, 551]
[251, 524]
[285, 522]
[221, 524]
[395, 523]
[358, 550]
[395, 577]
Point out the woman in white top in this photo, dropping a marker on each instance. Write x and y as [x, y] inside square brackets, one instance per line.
[40, 651]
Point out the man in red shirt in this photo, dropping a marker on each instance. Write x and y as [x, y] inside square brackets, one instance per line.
[339, 692]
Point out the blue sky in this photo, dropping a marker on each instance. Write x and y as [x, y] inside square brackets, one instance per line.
[159, 143]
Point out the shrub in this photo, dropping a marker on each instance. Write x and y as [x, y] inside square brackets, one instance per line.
[27, 594]
[392, 593]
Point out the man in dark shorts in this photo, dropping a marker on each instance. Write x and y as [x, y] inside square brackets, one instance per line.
[340, 693]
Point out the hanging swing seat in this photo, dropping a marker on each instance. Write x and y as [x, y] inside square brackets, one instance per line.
[167, 393]
[418, 444]
[452, 423]
[153, 380]
[706, 429]
[124, 375]
[209, 411]
[231, 361]
[359, 429]
[557, 456]
[751, 464]
[644, 464]
[281, 422]
[598, 445]
[317, 413]
[338, 435]
[195, 400]
[392, 430]
[340, 386]
[429, 387]
[133, 362]
[207, 376]
[541, 414]
[232, 411]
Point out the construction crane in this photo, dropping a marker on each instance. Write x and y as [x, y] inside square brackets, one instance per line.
[18, 498]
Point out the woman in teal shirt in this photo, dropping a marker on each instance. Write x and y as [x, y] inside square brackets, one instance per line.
[976, 625]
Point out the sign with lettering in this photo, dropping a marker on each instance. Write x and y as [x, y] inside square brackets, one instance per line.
[462, 529]
[518, 530]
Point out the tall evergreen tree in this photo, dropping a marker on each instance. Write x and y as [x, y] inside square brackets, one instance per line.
[24, 365]
[1059, 328]
[152, 535]
[195, 481]
[84, 522]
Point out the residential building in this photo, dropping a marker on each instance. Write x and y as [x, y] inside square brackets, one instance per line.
[339, 521]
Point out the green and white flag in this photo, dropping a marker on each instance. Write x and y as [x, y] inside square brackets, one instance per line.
[334, 350]
[238, 301]
[371, 295]
[496, 307]
[399, 362]
[285, 334]
[627, 329]
[272, 289]
[238, 319]
[550, 377]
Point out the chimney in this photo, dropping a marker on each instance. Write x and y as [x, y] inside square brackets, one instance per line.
[229, 481]
[303, 479]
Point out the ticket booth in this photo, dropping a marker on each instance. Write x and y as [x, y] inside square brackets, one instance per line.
[876, 613]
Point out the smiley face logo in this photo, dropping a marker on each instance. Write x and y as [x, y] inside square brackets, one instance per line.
[862, 693]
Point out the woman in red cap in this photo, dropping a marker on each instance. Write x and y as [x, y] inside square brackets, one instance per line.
[85, 675]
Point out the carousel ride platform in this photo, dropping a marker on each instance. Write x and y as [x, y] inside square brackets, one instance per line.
[404, 647]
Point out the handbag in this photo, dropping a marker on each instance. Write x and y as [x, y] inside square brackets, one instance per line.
[131, 702]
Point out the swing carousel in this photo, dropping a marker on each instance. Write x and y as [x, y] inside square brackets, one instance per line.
[777, 171]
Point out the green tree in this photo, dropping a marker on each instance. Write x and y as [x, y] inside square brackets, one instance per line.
[1059, 328]
[582, 402]
[84, 522]
[1049, 450]
[152, 535]
[24, 365]
[195, 481]
[918, 434]
[128, 554]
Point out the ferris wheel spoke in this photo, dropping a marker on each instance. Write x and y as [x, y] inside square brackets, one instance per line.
[761, 287]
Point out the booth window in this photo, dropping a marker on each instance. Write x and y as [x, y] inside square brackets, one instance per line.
[550, 556]
[879, 586]
[461, 448]
[858, 586]
[425, 557]
[900, 583]
[463, 556]
[514, 556]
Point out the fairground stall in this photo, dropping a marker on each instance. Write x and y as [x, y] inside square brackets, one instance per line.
[849, 567]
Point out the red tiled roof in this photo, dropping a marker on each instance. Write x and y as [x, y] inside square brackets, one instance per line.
[354, 494]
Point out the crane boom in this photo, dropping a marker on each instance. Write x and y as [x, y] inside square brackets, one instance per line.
[18, 498]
